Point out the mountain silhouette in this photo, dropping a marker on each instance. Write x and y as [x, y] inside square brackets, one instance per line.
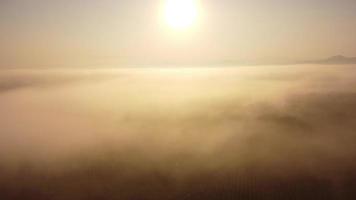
[339, 59]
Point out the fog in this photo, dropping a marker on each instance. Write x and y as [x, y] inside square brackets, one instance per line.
[258, 132]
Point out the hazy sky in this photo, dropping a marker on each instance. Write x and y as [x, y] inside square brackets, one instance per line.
[56, 33]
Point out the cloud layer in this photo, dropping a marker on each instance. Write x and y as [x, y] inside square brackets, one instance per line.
[251, 133]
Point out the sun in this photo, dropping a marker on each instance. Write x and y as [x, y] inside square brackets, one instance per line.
[181, 14]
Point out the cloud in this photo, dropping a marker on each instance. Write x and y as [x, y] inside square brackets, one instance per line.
[37, 79]
[196, 135]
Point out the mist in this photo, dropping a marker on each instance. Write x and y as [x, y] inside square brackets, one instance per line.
[273, 132]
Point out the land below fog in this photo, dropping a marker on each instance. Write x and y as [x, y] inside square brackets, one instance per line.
[264, 132]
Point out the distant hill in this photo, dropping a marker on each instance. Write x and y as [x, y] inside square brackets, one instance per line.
[335, 60]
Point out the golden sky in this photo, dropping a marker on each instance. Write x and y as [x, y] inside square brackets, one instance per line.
[88, 33]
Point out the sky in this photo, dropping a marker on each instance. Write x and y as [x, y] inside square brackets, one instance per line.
[91, 33]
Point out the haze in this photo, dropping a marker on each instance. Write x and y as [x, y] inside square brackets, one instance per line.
[177, 100]
[88, 33]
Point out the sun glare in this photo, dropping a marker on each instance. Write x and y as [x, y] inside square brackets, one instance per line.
[181, 14]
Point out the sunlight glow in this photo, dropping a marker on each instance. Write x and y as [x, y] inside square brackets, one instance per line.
[181, 14]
